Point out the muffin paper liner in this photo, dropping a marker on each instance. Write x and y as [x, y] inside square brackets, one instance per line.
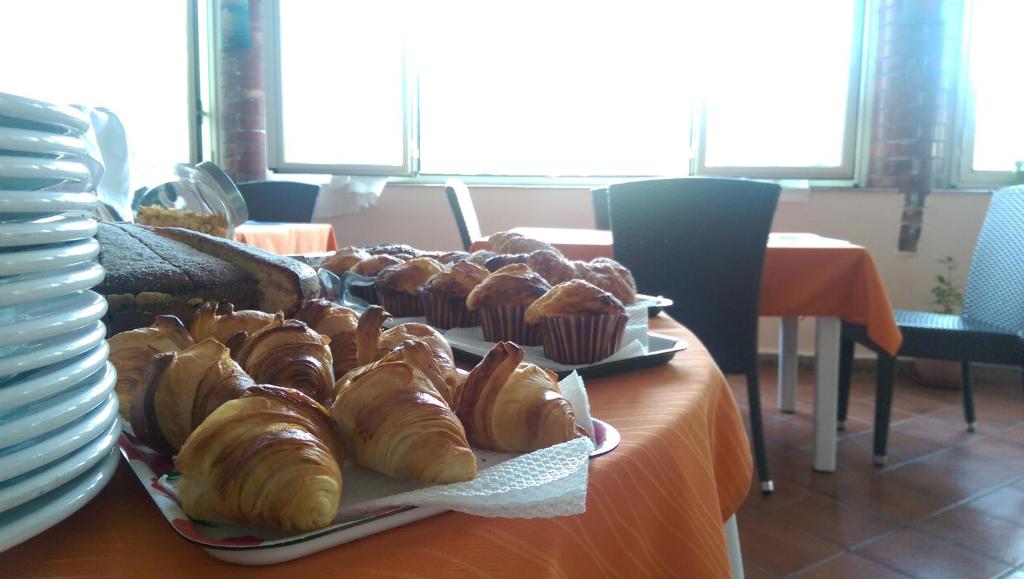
[398, 304]
[506, 323]
[365, 292]
[582, 339]
[446, 312]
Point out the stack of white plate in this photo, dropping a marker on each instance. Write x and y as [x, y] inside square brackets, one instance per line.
[58, 412]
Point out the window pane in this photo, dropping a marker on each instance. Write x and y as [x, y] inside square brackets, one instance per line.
[555, 88]
[998, 84]
[341, 83]
[128, 56]
[779, 77]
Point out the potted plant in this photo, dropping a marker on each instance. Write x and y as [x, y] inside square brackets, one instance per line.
[947, 298]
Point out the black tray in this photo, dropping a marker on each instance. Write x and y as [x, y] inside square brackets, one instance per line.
[661, 349]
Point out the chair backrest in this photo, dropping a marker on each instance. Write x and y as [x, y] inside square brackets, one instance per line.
[462, 209]
[995, 283]
[286, 201]
[700, 242]
[599, 198]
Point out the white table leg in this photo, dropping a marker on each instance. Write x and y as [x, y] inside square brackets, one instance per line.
[826, 392]
[732, 542]
[788, 363]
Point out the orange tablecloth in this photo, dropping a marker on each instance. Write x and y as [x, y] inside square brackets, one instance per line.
[804, 275]
[655, 505]
[287, 238]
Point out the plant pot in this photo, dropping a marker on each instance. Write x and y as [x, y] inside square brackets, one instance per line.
[944, 374]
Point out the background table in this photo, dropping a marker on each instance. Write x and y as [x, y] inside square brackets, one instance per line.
[655, 505]
[287, 238]
[804, 275]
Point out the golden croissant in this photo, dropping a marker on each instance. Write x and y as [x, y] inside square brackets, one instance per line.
[434, 358]
[394, 421]
[131, 351]
[181, 389]
[271, 458]
[337, 323]
[221, 321]
[510, 406]
[287, 353]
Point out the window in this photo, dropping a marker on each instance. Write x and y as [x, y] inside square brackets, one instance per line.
[995, 117]
[557, 89]
[127, 56]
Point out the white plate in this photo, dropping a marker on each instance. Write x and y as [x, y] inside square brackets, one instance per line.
[33, 454]
[47, 229]
[41, 143]
[26, 388]
[44, 416]
[45, 201]
[40, 258]
[22, 523]
[32, 173]
[40, 285]
[41, 319]
[51, 117]
[31, 355]
[41, 481]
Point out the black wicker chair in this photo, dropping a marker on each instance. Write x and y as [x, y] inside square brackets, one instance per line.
[284, 201]
[991, 329]
[599, 198]
[702, 243]
[463, 210]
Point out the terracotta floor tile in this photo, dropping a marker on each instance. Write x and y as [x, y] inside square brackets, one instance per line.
[969, 528]
[995, 448]
[1012, 409]
[1013, 434]
[888, 498]
[916, 402]
[917, 554]
[827, 519]
[865, 410]
[941, 430]
[900, 446]
[851, 566]
[752, 572]
[1006, 503]
[953, 474]
[987, 422]
[779, 548]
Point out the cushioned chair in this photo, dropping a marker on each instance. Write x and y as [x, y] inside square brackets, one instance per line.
[283, 201]
[702, 243]
[463, 210]
[991, 329]
[599, 198]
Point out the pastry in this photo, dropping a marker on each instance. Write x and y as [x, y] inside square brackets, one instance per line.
[480, 257]
[130, 353]
[497, 241]
[511, 406]
[344, 259]
[288, 353]
[551, 266]
[398, 286]
[502, 300]
[221, 321]
[370, 267]
[525, 245]
[337, 323]
[271, 458]
[609, 275]
[396, 249]
[181, 389]
[444, 296]
[581, 322]
[499, 261]
[395, 422]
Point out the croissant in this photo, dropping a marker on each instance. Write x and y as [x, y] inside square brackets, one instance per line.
[510, 406]
[434, 357]
[271, 457]
[130, 353]
[337, 323]
[394, 421]
[221, 321]
[181, 389]
[288, 353]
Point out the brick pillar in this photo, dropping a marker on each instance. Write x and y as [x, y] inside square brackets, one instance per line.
[915, 85]
[241, 100]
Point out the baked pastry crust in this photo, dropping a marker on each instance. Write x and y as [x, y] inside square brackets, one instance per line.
[337, 323]
[511, 285]
[499, 261]
[551, 265]
[220, 321]
[396, 249]
[131, 351]
[480, 256]
[408, 277]
[372, 265]
[574, 298]
[344, 259]
[610, 276]
[458, 280]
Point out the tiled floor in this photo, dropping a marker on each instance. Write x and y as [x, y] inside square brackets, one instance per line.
[949, 503]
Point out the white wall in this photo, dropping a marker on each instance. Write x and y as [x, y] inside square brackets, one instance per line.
[420, 215]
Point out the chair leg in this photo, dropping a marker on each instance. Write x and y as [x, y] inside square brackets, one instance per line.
[968, 388]
[845, 369]
[883, 405]
[757, 431]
